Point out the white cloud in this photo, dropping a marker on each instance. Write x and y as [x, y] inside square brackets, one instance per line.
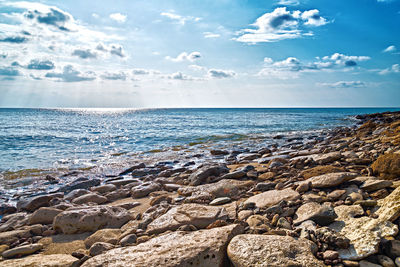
[114, 76]
[291, 66]
[70, 74]
[179, 76]
[211, 35]
[289, 2]
[118, 17]
[344, 84]
[184, 56]
[395, 68]
[390, 49]
[178, 18]
[216, 73]
[281, 24]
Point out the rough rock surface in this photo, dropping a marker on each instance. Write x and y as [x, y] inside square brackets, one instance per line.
[387, 166]
[322, 215]
[54, 260]
[365, 232]
[331, 179]
[89, 219]
[200, 248]
[273, 197]
[9, 237]
[44, 215]
[198, 215]
[271, 251]
[91, 197]
[223, 188]
[375, 184]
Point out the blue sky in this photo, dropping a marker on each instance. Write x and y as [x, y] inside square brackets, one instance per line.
[124, 53]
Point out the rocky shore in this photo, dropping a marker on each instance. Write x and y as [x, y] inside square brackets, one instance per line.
[330, 200]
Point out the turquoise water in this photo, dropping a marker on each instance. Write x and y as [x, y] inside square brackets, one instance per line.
[48, 138]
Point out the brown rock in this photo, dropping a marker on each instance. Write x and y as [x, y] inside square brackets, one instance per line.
[387, 166]
[55, 260]
[273, 197]
[104, 235]
[319, 170]
[44, 215]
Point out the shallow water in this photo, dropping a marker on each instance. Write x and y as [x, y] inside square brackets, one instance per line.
[33, 139]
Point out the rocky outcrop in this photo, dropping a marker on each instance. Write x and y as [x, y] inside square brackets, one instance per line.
[90, 219]
[272, 251]
[387, 166]
[365, 233]
[187, 214]
[273, 197]
[199, 248]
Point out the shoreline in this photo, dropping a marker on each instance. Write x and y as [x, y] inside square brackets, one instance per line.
[295, 192]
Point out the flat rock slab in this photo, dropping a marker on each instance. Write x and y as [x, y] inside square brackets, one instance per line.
[22, 250]
[365, 233]
[224, 188]
[90, 219]
[273, 197]
[375, 184]
[202, 248]
[272, 251]
[331, 179]
[198, 215]
[54, 260]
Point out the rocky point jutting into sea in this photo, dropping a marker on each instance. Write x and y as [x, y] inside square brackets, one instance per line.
[331, 199]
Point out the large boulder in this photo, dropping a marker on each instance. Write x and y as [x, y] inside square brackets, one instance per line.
[365, 233]
[201, 175]
[387, 166]
[44, 215]
[273, 197]
[54, 260]
[331, 179]
[36, 202]
[90, 219]
[208, 192]
[272, 251]
[198, 215]
[199, 248]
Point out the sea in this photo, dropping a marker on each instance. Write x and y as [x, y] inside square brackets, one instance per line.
[37, 139]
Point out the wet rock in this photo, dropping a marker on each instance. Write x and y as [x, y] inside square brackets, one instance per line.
[208, 192]
[36, 202]
[217, 152]
[123, 182]
[104, 235]
[7, 208]
[80, 183]
[21, 251]
[199, 248]
[44, 215]
[90, 219]
[198, 215]
[266, 176]
[135, 167]
[385, 261]
[326, 157]
[102, 189]
[54, 260]
[272, 197]
[271, 250]
[220, 201]
[264, 186]
[321, 214]
[91, 197]
[234, 175]
[247, 156]
[391, 248]
[201, 175]
[375, 184]
[145, 189]
[387, 166]
[117, 194]
[76, 193]
[331, 179]
[365, 263]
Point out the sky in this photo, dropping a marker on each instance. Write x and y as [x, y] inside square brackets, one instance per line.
[188, 53]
